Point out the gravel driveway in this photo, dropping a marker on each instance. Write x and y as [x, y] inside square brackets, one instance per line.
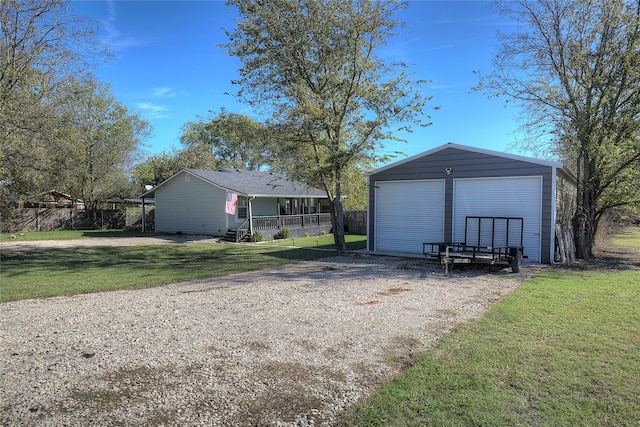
[292, 345]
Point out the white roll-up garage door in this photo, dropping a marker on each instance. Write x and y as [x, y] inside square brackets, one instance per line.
[510, 197]
[408, 213]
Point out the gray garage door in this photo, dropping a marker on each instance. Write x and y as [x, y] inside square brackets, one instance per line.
[408, 213]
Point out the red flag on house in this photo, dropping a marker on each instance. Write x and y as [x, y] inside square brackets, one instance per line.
[231, 203]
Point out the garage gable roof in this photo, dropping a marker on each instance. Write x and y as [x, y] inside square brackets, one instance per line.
[472, 149]
[250, 183]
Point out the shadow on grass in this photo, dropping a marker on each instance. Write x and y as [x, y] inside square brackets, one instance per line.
[68, 271]
[612, 257]
[110, 233]
[162, 258]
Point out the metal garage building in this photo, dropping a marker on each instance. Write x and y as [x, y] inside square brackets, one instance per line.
[427, 197]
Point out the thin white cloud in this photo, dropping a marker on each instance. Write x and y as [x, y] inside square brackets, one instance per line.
[114, 36]
[154, 111]
[167, 92]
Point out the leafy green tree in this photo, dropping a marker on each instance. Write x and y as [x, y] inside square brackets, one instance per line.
[313, 66]
[103, 140]
[355, 189]
[574, 66]
[235, 140]
[42, 45]
[197, 157]
[155, 169]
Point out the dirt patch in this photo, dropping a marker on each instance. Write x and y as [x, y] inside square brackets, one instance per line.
[393, 291]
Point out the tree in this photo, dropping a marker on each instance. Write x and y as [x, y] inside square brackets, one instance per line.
[225, 140]
[235, 140]
[102, 141]
[355, 189]
[42, 46]
[575, 68]
[155, 169]
[313, 67]
[159, 167]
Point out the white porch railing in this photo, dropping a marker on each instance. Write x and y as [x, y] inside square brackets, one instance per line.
[277, 222]
[290, 221]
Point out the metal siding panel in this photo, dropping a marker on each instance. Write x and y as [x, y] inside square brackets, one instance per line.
[465, 164]
[407, 214]
[514, 197]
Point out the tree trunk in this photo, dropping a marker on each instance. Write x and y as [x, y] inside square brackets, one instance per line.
[337, 222]
[584, 236]
[584, 220]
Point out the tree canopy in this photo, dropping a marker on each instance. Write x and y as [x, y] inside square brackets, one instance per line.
[313, 67]
[42, 49]
[235, 140]
[574, 66]
[102, 142]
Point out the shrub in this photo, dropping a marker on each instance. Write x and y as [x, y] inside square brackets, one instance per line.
[283, 234]
[307, 234]
[257, 236]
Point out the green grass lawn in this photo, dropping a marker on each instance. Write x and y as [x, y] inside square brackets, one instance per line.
[353, 241]
[563, 350]
[67, 271]
[68, 234]
[630, 238]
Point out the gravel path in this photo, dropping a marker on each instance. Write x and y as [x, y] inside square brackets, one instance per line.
[293, 345]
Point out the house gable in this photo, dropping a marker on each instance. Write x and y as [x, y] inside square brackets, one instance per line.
[190, 205]
[247, 183]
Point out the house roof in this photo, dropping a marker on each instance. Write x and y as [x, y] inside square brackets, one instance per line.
[472, 149]
[250, 183]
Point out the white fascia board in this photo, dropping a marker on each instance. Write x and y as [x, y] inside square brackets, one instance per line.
[153, 190]
[187, 170]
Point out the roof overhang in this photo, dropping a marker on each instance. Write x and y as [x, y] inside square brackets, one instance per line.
[194, 173]
[472, 149]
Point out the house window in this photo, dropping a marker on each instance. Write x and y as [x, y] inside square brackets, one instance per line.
[242, 212]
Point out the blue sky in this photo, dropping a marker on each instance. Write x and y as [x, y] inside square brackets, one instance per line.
[169, 68]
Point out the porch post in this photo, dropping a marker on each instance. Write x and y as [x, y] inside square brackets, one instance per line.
[143, 221]
[250, 215]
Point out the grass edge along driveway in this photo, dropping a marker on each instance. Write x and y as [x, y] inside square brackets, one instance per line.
[563, 349]
[69, 271]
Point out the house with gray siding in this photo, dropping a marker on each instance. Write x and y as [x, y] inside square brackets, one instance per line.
[193, 202]
[426, 198]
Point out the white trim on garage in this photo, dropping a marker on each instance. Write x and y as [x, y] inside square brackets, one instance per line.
[504, 196]
[408, 213]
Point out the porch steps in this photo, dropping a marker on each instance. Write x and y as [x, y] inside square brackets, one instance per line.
[230, 236]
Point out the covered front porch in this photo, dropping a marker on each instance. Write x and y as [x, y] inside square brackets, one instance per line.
[270, 215]
[271, 225]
